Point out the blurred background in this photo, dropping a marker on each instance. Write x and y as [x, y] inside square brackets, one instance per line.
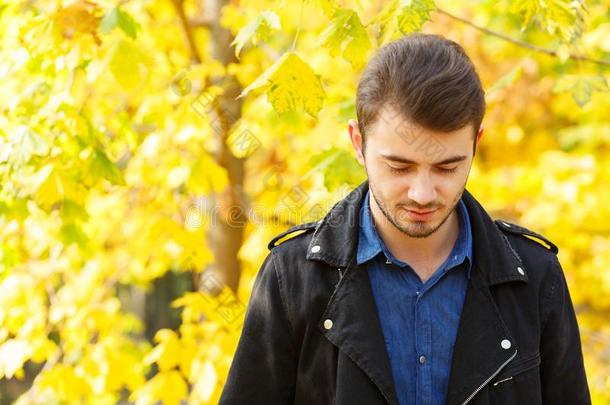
[139, 191]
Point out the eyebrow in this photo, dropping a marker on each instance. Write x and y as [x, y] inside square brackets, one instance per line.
[399, 159]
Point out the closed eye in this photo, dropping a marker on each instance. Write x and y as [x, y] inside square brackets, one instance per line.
[398, 169]
[406, 169]
[447, 170]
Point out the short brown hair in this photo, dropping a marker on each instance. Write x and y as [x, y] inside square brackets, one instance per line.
[428, 78]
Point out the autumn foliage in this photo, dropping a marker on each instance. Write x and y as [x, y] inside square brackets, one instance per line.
[141, 140]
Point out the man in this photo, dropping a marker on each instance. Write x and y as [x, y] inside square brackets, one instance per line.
[407, 292]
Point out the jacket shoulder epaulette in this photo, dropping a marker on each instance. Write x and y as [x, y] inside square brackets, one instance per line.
[526, 233]
[306, 227]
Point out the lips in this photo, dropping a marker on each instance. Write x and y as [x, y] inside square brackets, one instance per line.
[420, 215]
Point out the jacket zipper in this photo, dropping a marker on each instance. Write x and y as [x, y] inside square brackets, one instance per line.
[489, 379]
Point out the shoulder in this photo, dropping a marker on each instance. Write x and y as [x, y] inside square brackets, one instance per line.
[294, 232]
[538, 255]
[535, 240]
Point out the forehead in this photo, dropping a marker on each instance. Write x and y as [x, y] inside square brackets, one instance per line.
[394, 134]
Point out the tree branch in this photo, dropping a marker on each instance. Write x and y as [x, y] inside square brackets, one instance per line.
[523, 44]
[188, 32]
[199, 22]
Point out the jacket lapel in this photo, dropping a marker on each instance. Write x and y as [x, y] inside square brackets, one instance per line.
[484, 345]
[356, 329]
[481, 348]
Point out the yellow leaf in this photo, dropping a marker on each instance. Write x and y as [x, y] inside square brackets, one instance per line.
[167, 353]
[206, 381]
[291, 85]
[51, 185]
[168, 387]
[347, 35]
[12, 356]
[257, 30]
[128, 64]
[80, 17]
[66, 385]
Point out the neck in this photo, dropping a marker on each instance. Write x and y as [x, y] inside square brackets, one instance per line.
[412, 250]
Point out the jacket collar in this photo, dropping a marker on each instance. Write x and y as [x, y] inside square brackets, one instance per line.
[335, 240]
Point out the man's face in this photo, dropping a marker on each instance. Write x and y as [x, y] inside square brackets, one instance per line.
[412, 170]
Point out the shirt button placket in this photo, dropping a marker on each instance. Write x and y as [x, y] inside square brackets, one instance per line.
[426, 348]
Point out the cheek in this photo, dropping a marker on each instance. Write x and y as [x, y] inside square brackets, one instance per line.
[379, 175]
[451, 190]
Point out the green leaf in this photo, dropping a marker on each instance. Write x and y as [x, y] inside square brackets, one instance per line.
[566, 18]
[15, 208]
[291, 85]
[347, 35]
[9, 257]
[581, 87]
[581, 92]
[413, 14]
[328, 6]
[339, 168]
[386, 20]
[101, 167]
[72, 233]
[119, 18]
[257, 30]
[404, 16]
[71, 210]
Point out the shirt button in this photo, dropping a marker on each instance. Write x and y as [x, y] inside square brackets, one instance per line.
[505, 344]
[520, 270]
[416, 292]
[422, 359]
[328, 324]
[315, 249]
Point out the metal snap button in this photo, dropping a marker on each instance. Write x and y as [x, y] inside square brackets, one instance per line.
[315, 249]
[520, 270]
[328, 324]
[505, 344]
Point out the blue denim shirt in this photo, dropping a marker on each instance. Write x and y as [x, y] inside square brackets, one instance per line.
[419, 320]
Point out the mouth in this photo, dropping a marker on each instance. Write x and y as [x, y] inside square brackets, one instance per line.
[420, 215]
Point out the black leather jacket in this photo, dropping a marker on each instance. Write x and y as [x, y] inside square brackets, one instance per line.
[312, 335]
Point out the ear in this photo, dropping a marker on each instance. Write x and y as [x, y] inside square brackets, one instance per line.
[356, 138]
[479, 134]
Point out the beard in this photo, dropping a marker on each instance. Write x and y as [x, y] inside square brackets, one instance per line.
[411, 228]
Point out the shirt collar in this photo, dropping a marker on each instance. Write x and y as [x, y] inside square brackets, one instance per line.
[370, 244]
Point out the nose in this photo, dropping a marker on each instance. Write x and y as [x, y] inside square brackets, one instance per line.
[422, 190]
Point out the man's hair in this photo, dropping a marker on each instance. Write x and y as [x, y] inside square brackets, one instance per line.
[429, 80]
